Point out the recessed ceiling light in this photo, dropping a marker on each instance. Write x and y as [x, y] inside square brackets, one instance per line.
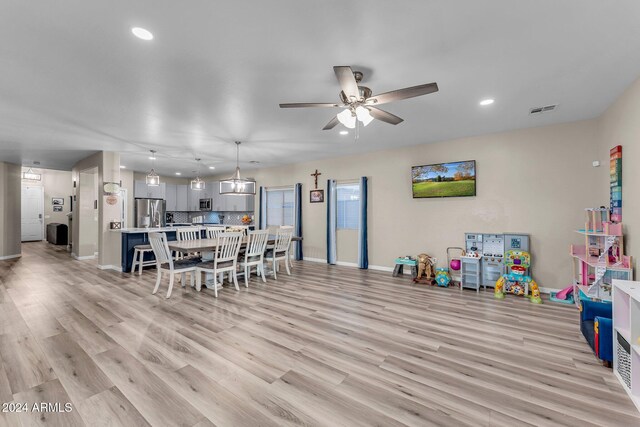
[178, 173]
[344, 132]
[152, 157]
[122, 166]
[487, 101]
[212, 167]
[141, 33]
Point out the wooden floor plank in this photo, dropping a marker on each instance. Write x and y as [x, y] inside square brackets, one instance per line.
[326, 346]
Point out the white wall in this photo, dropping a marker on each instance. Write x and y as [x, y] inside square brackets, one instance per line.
[10, 210]
[536, 181]
[620, 125]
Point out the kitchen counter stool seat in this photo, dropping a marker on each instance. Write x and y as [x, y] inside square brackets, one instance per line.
[138, 258]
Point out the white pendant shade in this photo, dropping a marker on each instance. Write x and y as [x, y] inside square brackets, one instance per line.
[347, 118]
[364, 115]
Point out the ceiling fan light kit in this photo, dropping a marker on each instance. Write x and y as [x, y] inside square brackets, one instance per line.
[236, 185]
[358, 102]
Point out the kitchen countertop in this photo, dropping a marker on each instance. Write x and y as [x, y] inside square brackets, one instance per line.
[170, 228]
[150, 229]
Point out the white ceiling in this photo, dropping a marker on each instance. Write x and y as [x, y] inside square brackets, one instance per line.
[73, 79]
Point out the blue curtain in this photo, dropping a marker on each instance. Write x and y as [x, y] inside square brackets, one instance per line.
[263, 209]
[363, 245]
[298, 220]
[332, 201]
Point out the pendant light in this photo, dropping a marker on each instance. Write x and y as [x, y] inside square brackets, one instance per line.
[236, 185]
[153, 180]
[197, 184]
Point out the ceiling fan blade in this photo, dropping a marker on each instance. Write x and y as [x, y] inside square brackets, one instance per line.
[407, 92]
[347, 82]
[308, 104]
[332, 123]
[384, 116]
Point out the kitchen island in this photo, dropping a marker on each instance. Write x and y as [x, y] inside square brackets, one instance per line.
[140, 236]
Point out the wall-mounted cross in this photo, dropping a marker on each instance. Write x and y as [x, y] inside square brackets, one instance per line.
[316, 175]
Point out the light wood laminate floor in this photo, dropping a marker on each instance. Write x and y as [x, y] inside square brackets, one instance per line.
[326, 346]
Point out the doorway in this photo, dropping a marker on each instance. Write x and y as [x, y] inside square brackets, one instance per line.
[32, 213]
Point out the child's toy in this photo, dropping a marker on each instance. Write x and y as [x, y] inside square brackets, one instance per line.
[565, 296]
[426, 265]
[442, 277]
[516, 281]
[401, 262]
[453, 261]
[601, 259]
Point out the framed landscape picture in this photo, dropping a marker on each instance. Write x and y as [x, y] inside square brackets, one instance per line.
[57, 208]
[455, 179]
[316, 196]
[57, 201]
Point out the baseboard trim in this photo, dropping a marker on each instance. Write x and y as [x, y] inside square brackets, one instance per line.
[82, 258]
[110, 267]
[314, 260]
[3, 258]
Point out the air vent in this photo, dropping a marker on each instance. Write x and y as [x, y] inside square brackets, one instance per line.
[545, 109]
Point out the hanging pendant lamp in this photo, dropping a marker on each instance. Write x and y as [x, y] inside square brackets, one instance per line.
[197, 183]
[236, 185]
[153, 180]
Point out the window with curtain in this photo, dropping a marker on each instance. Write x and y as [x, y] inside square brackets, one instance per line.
[348, 206]
[280, 207]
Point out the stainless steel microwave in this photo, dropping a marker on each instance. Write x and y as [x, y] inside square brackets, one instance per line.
[205, 204]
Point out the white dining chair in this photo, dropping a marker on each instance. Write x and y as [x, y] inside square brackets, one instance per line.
[280, 250]
[290, 259]
[213, 231]
[225, 259]
[254, 255]
[187, 233]
[165, 262]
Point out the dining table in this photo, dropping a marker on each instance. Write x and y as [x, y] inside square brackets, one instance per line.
[207, 247]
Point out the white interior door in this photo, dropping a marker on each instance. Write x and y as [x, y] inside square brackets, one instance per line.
[32, 213]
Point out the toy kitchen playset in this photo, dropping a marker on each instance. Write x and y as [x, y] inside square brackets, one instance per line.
[490, 249]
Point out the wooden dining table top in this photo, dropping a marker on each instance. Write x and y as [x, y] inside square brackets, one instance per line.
[206, 245]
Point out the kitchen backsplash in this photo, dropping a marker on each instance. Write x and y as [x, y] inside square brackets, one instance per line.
[231, 218]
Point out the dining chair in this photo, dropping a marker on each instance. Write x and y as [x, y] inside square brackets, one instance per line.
[280, 250]
[213, 231]
[290, 259]
[225, 259]
[254, 254]
[165, 262]
[187, 233]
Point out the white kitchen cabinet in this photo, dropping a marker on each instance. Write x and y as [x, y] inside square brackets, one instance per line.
[143, 191]
[171, 197]
[217, 201]
[182, 198]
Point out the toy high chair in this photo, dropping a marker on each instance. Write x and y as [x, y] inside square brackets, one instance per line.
[516, 281]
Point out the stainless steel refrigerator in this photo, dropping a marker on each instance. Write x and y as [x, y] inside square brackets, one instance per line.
[150, 212]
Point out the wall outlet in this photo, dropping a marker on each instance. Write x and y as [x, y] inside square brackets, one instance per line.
[596, 163]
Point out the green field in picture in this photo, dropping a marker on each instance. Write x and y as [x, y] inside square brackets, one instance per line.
[444, 189]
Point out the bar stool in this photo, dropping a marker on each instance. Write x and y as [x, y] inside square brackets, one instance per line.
[138, 258]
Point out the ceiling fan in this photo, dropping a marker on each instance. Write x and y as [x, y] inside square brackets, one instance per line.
[358, 103]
